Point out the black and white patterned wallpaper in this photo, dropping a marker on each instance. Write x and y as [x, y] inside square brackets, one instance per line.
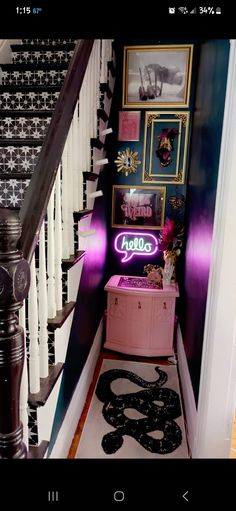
[24, 127]
[48, 42]
[12, 192]
[30, 101]
[18, 159]
[33, 77]
[32, 425]
[46, 57]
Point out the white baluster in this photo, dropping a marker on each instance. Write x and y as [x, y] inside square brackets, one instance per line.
[75, 160]
[70, 192]
[65, 200]
[24, 384]
[80, 157]
[33, 333]
[58, 243]
[103, 62]
[51, 258]
[43, 306]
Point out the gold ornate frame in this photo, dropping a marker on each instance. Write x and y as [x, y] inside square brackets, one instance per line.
[165, 57]
[181, 119]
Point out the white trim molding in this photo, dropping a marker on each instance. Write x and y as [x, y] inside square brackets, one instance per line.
[218, 371]
[71, 419]
[187, 392]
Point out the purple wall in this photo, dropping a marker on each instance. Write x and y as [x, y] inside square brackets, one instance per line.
[201, 193]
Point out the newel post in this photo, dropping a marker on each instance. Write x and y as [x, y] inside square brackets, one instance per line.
[14, 286]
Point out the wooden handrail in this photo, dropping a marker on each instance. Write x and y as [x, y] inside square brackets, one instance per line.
[39, 190]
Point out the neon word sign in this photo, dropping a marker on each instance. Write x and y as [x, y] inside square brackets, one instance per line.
[131, 244]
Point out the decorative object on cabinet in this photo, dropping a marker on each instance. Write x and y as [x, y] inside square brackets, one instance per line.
[170, 242]
[159, 76]
[138, 207]
[129, 126]
[166, 163]
[135, 412]
[154, 273]
[131, 244]
[127, 161]
[140, 320]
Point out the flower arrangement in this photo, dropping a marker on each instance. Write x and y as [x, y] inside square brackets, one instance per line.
[170, 242]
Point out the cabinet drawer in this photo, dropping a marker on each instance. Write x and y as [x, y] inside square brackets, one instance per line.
[163, 309]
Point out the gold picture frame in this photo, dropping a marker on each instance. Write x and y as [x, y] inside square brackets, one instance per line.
[157, 76]
[138, 207]
[156, 124]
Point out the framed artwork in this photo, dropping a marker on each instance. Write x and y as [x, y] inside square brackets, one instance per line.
[165, 147]
[138, 207]
[129, 126]
[157, 76]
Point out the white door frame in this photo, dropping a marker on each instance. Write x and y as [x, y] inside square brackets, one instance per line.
[218, 371]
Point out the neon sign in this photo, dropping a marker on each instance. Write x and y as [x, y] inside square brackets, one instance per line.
[131, 244]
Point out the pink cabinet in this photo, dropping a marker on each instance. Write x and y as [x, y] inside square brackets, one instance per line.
[140, 320]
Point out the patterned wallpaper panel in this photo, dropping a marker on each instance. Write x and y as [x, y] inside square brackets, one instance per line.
[48, 42]
[46, 57]
[21, 159]
[12, 192]
[31, 101]
[33, 77]
[23, 127]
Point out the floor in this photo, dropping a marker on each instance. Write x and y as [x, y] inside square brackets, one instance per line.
[113, 356]
[233, 444]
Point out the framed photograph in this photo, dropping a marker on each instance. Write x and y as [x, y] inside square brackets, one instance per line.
[157, 76]
[129, 126]
[165, 147]
[138, 207]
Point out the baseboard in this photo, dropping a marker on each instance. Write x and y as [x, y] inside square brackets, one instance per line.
[187, 391]
[68, 427]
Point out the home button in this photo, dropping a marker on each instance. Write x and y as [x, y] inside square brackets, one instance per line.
[119, 496]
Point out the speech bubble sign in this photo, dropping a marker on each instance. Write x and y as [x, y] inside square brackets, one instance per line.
[132, 244]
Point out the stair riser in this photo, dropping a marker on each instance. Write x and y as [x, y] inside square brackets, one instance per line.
[29, 101]
[35, 77]
[44, 57]
[48, 42]
[12, 192]
[23, 128]
[20, 160]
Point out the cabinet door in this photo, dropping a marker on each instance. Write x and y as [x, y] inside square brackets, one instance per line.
[139, 321]
[116, 317]
[163, 323]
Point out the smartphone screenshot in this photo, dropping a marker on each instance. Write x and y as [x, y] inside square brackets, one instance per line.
[117, 243]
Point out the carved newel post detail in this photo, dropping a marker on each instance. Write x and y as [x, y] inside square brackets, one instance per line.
[14, 286]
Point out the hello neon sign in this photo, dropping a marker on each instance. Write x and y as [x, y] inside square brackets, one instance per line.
[131, 244]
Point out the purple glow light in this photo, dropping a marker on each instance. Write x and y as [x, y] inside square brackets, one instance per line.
[142, 244]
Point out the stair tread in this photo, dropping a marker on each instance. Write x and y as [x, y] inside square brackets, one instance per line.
[73, 259]
[25, 113]
[90, 176]
[21, 142]
[81, 213]
[38, 451]
[30, 88]
[25, 66]
[35, 47]
[46, 386]
[61, 316]
[14, 175]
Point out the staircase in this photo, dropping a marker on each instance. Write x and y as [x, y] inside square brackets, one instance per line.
[30, 87]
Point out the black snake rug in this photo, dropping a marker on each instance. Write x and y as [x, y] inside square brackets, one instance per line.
[158, 417]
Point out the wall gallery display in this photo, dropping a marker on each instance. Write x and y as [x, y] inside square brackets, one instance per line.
[138, 207]
[165, 147]
[129, 126]
[157, 76]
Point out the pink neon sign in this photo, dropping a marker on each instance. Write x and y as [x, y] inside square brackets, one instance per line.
[131, 244]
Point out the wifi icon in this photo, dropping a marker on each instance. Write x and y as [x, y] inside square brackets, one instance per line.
[184, 10]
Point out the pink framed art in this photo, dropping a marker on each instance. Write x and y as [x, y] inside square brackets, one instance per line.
[129, 126]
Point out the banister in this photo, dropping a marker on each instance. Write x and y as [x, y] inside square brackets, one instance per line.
[39, 190]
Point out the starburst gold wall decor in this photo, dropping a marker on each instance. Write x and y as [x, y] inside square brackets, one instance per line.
[127, 161]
